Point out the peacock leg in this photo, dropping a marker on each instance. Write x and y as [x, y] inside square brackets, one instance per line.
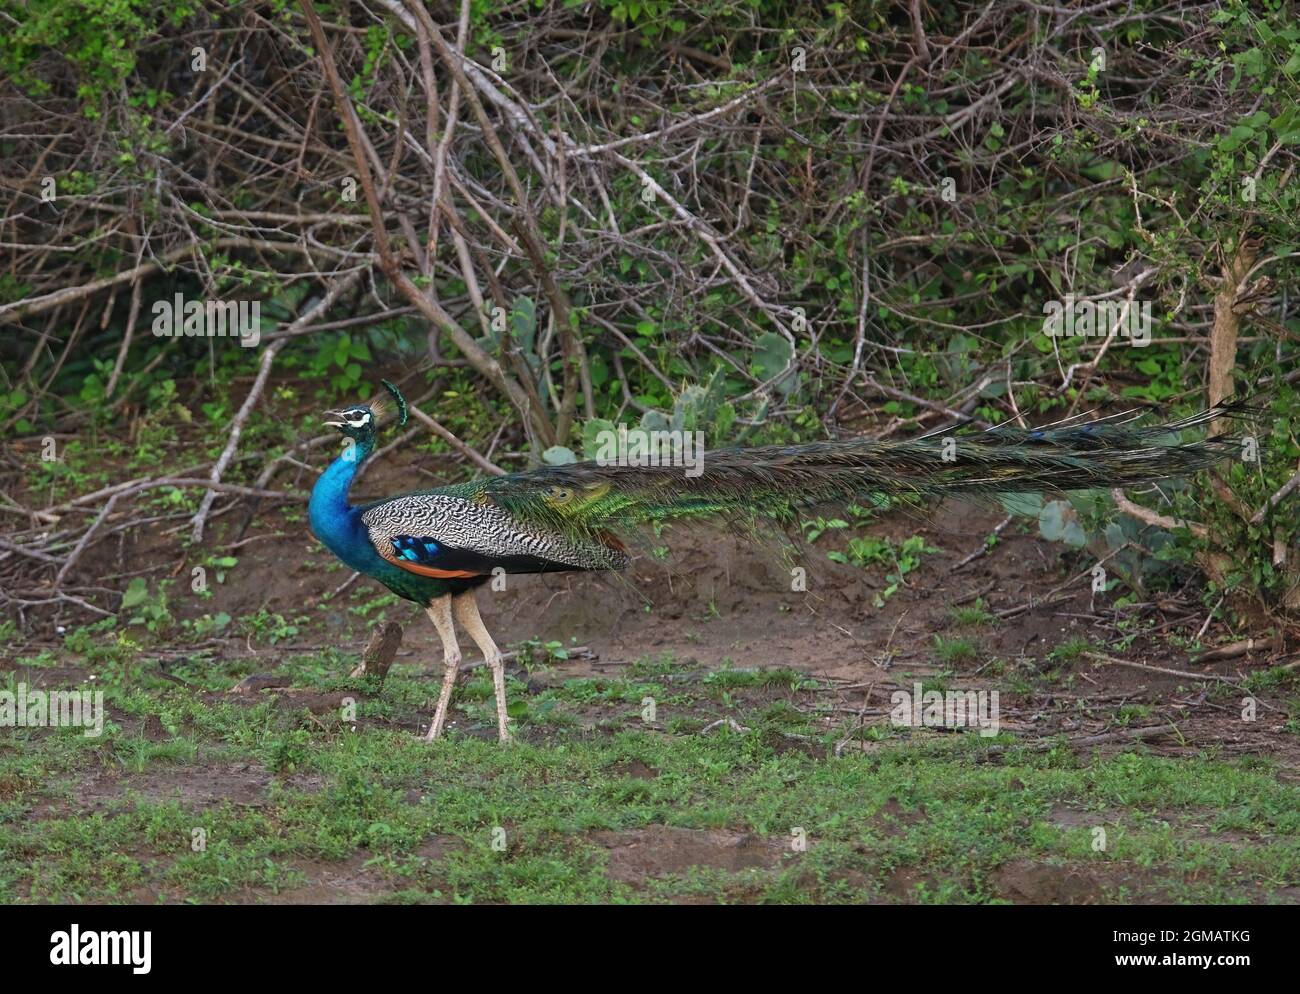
[466, 608]
[440, 614]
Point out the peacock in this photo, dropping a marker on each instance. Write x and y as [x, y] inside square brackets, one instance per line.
[436, 547]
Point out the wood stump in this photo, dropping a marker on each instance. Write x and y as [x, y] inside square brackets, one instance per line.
[379, 653]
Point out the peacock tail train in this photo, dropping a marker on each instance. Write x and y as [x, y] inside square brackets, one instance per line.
[588, 502]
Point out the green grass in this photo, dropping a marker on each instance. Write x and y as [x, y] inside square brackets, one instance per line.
[972, 614]
[386, 793]
[960, 649]
[281, 797]
[1070, 650]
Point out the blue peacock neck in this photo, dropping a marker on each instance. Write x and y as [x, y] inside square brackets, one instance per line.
[333, 520]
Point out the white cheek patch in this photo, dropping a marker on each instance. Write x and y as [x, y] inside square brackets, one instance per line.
[360, 422]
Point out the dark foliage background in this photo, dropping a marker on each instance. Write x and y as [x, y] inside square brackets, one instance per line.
[769, 220]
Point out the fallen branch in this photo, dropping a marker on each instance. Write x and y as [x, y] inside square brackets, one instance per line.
[1101, 657]
[1149, 517]
[1084, 741]
[1282, 493]
[731, 723]
[1236, 649]
[984, 549]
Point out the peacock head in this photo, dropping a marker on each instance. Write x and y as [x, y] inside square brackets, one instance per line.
[362, 421]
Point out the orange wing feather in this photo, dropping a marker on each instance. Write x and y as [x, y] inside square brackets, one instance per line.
[433, 571]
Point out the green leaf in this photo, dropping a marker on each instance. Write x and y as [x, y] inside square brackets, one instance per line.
[137, 592]
[523, 323]
[772, 354]
[590, 435]
[654, 421]
[722, 423]
[1058, 523]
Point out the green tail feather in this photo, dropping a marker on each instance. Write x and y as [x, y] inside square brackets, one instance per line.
[587, 500]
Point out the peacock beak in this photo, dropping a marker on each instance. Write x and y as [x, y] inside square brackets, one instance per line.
[334, 424]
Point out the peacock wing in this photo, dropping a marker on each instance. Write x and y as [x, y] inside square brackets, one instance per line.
[438, 534]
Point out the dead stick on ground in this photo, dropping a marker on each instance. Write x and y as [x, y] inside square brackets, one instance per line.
[731, 723]
[1236, 649]
[1185, 674]
[85, 539]
[1154, 518]
[1123, 735]
[1083, 741]
[983, 549]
